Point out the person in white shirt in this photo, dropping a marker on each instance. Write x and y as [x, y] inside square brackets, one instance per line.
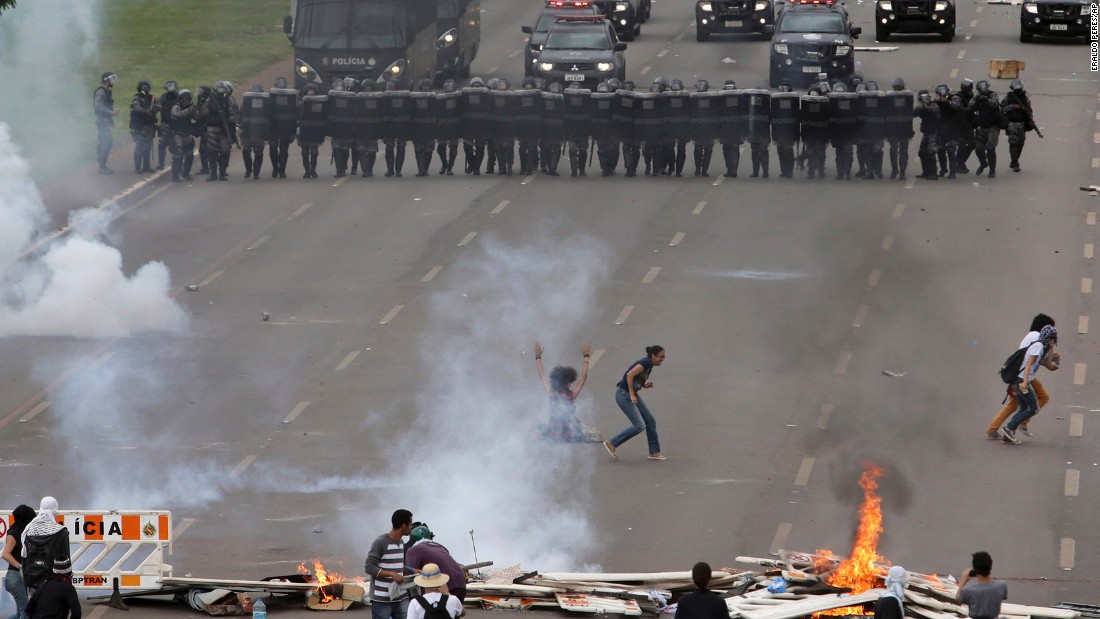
[435, 597]
[1025, 395]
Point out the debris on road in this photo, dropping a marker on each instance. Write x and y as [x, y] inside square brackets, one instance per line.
[893, 374]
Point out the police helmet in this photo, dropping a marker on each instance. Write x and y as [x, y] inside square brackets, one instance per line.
[655, 87]
[898, 84]
[528, 83]
[924, 97]
[338, 84]
[540, 83]
[816, 89]
[203, 92]
[171, 86]
[310, 89]
[942, 90]
[144, 86]
[966, 85]
[477, 82]
[614, 84]
[554, 87]
[502, 84]
[391, 85]
[424, 85]
[109, 78]
[662, 82]
[492, 83]
[1017, 86]
[603, 87]
[785, 86]
[823, 77]
[628, 85]
[861, 87]
[366, 86]
[573, 86]
[676, 86]
[729, 85]
[872, 85]
[983, 87]
[856, 79]
[228, 86]
[450, 86]
[256, 88]
[221, 87]
[421, 532]
[351, 84]
[840, 87]
[702, 86]
[280, 82]
[185, 97]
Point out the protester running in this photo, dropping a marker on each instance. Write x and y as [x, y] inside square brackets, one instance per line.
[632, 405]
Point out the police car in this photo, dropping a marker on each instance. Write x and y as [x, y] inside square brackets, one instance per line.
[553, 9]
[811, 37]
[581, 49]
[1055, 18]
[625, 15]
[733, 16]
[915, 16]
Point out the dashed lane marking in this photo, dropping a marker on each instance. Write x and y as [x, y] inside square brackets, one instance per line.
[898, 210]
[263, 239]
[954, 73]
[718, 181]
[662, 53]
[1076, 425]
[1096, 138]
[347, 360]
[962, 54]
[678, 38]
[500, 207]
[979, 9]
[249, 459]
[1082, 324]
[97, 612]
[699, 208]
[861, 315]
[1088, 250]
[431, 274]
[179, 529]
[1066, 550]
[910, 183]
[823, 416]
[528, 180]
[804, 470]
[515, 53]
[651, 275]
[493, 70]
[297, 411]
[340, 181]
[780, 539]
[842, 361]
[676, 239]
[466, 239]
[391, 315]
[1073, 482]
[1096, 160]
[43, 405]
[623, 315]
[1079, 370]
[595, 358]
[872, 279]
[888, 242]
[1086, 285]
[301, 209]
[210, 278]
[973, 23]
[645, 70]
[1090, 219]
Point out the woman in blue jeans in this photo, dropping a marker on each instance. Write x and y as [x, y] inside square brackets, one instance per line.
[13, 554]
[626, 396]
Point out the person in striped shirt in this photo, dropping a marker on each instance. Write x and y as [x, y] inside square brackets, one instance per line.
[385, 565]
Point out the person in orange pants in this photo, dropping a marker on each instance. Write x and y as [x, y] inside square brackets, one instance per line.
[1051, 363]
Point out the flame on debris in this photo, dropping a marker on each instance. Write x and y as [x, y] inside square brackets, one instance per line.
[323, 576]
[858, 571]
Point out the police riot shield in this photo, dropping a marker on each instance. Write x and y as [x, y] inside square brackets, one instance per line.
[648, 125]
[475, 113]
[424, 117]
[314, 115]
[502, 114]
[704, 116]
[369, 119]
[603, 103]
[341, 114]
[677, 120]
[756, 110]
[397, 115]
[284, 113]
[784, 119]
[449, 109]
[814, 118]
[729, 116]
[872, 114]
[528, 115]
[255, 117]
[553, 118]
[623, 111]
[843, 117]
[898, 114]
[578, 114]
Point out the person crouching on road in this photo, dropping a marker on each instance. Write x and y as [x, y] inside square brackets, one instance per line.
[435, 598]
[626, 396]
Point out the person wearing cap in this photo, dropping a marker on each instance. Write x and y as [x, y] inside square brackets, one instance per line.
[424, 551]
[104, 106]
[435, 596]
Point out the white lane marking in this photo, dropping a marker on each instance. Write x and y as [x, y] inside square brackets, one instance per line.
[1073, 482]
[909, 184]
[676, 239]
[718, 181]
[662, 53]
[678, 38]
[973, 23]
[1076, 425]
[1082, 324]
[243, 465]
[1066, 549]
[43, 405]
[1096, 160]
[97, 612]
[515, 53]
[623, 315]
[596, 355]
[861, 315]
[528, 179]
[340, 181]
[431, 274]
[179, 529]
[888, 242]
[645, 70]
[297, 411]
[1079, 370]
[500, 207]
[1096, 138]
[804, 470]
[841, 366]
[962, 54]
[1088, 250]
[872, 279]
[466, 239]
[780, 539]
[954, 73]
[493, 70]
[1090, 219]
[263, 239]
[823, 416]
[390, 316]
[347, 360]
[301, 209]
[651, 275]
[699, 208]
[210, 278]
[1086, 285]
[979, 9]
[898, 210]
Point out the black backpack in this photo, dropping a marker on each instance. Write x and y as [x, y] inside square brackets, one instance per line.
[43, 554]
[1010, 369]
[437, 610]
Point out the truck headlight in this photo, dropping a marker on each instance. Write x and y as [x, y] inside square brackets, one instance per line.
[622, 7]
[605, 66]
[760, 6]
[447, 39]
[305, 71]
[886, 5]
[395, 69]
[1031, 7]
[705, 7]
[780, 48]
[843, 50]
[546, 66]
[940, 6]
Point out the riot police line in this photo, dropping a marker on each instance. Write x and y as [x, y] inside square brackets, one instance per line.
[546, 122]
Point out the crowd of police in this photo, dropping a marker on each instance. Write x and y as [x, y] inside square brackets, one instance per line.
[858, 119]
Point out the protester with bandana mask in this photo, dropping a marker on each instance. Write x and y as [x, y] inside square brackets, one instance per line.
[45, 531]
[892, 603]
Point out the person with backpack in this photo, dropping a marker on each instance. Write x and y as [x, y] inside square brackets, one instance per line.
[1025, 394]
[1042, 397]
[13, 554]
[435, 602]
[45, 546]
[54, 599]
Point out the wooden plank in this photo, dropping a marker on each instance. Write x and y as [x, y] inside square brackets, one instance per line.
[237, 585]
[811, 605]
[596, 604]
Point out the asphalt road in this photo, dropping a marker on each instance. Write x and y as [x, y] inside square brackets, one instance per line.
[396, 367]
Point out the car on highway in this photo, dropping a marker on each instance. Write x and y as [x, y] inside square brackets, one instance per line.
[1055, 18]
[809, 39]
[581, 49]
[733, 17]
[915, 17]
[550, 12]
[626, 15]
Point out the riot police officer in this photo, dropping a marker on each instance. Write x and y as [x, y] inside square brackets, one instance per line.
[929, 114]
[423, 130]
[965, 125]
[340, 123]
[395, 144]
[182, 117]
[577, 126]
[654, 153]
[504, 145]
[757, 128]
[731, 137]
[947, 143]
[165, 103]
[143, 120]
[814, 125]
[312, 110]
[875, 115]
[528, 125]
[843, 124]
[1017, 109]
[103, 104]
[202, 95]
[255, 129]
[606, 142]
[222, 115]
[489, 142]
[632, 148]
[989, 119]
[679, 129]
[899, 127]
[450, 120]
[284, 125]
[704, 124]
[784, 126]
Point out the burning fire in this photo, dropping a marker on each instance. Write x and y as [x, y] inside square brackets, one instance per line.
[323, 577]
[859, 571]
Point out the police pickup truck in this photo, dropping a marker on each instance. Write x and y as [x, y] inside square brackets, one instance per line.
[733, 17]
[627, 16]
[1054, 18]
[915, 17]
[551, 11]
[581, 49]
[811, 37]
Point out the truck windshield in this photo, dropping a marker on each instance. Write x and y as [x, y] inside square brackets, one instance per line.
[447, 9]
[344, 24]
[825, 23]
[578, 39]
